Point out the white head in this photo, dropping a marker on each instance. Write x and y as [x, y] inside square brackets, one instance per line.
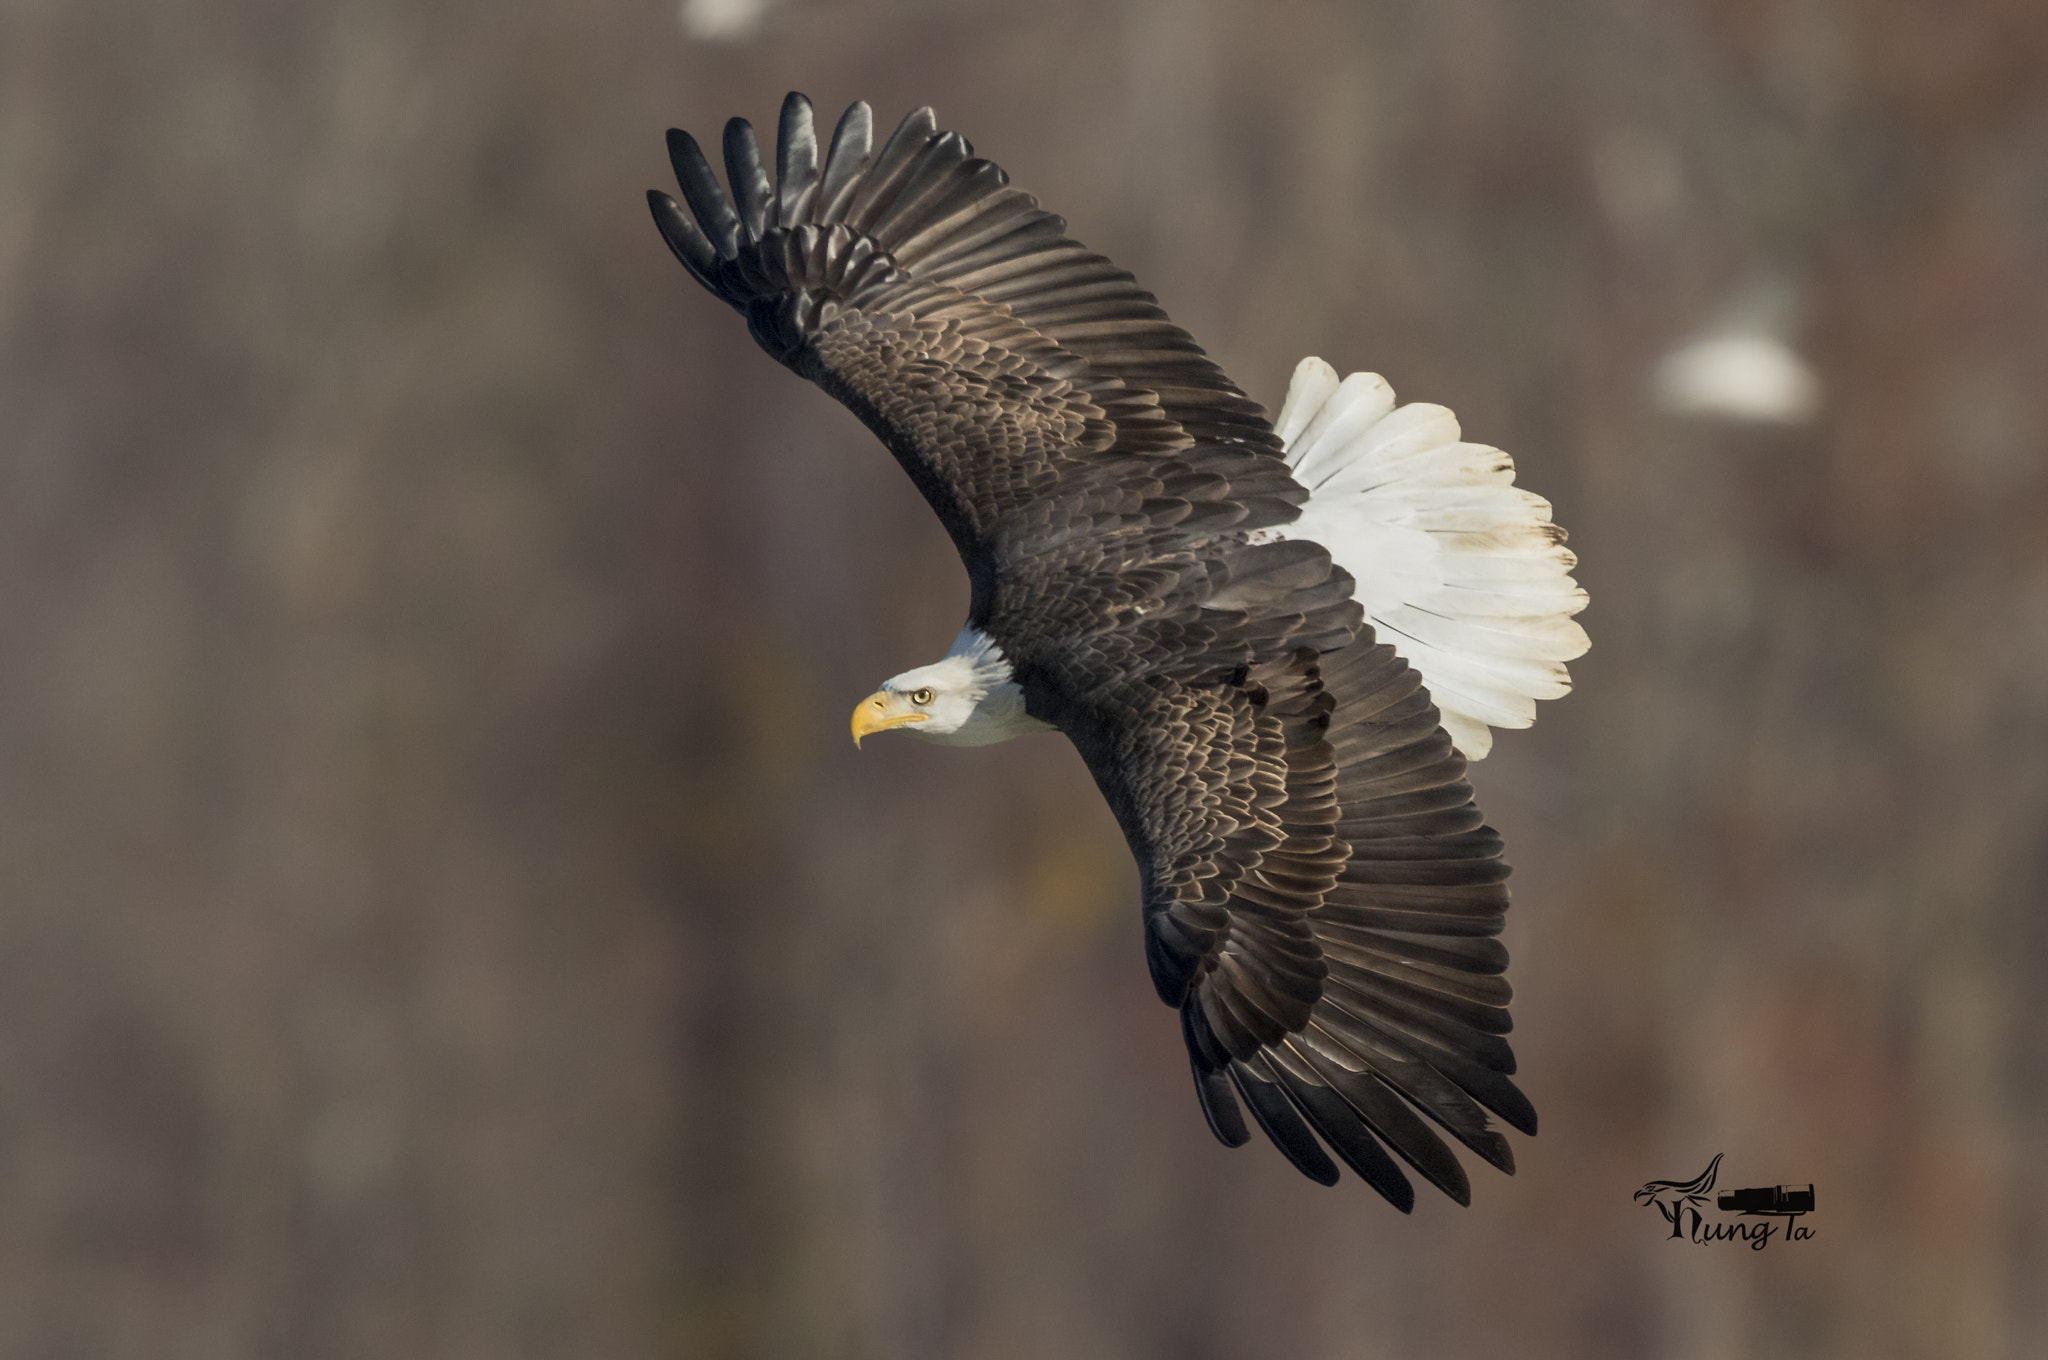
[965, 699]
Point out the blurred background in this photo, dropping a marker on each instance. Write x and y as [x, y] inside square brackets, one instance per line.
[441, 914]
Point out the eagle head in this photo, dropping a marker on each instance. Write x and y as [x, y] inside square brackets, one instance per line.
[965, 698]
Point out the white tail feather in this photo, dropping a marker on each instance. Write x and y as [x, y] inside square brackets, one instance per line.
[1457, 567]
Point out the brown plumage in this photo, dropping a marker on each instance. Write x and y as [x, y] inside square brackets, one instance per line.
[1320, 895]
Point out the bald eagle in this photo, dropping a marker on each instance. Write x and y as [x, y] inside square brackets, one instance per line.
[1274, 644]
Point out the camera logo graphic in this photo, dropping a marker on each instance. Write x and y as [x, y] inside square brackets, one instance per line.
[1783, 1200]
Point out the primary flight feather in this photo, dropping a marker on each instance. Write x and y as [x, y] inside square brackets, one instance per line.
[1270, 646]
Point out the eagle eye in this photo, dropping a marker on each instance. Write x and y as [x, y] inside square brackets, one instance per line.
[921, 697]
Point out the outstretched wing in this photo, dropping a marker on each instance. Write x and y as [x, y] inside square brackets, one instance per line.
[1320, 898]
[1322, 901]
[996, 358]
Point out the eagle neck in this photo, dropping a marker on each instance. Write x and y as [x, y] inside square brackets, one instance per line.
[999, 710]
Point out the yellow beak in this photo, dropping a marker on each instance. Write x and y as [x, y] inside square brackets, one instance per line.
[876, 714]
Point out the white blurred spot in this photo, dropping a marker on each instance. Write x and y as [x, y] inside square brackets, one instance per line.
[1741, 376]
[722, 20]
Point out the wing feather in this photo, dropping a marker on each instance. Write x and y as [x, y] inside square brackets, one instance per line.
[708, 203]
[748, 176]
[1283, 1124]
[894, 164]
[852, 150]
[796, 159]
[1344, 1129]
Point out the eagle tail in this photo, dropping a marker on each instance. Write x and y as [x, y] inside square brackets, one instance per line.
[1457, 567]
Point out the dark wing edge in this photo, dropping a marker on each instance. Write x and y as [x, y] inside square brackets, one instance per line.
[917, 226]
[1351, 981]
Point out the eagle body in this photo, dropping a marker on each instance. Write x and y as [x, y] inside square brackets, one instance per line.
[1152, 574]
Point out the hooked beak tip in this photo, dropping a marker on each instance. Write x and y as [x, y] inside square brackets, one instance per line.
[871, 715]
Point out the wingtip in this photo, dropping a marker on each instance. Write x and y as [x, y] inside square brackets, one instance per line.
[1284, 1126]
[1220, 1108]
[684, 241]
